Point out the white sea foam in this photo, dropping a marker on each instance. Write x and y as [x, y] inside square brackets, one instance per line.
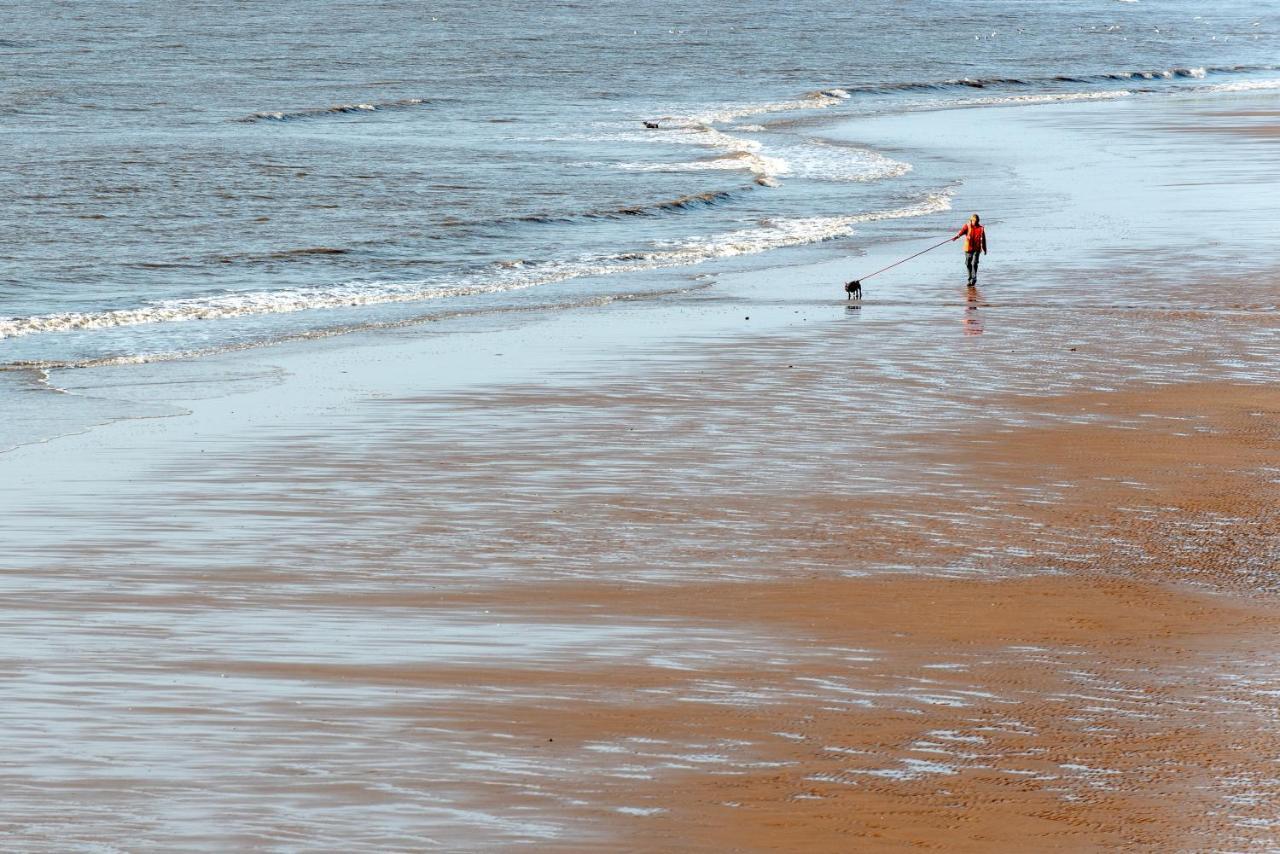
[765, 167]
[736, 153]
[811, 159]
[740, 152]
[1241, 86]
[774, 234]
[791, 232]
[726, 114]
[1024, 100]
[828, 162]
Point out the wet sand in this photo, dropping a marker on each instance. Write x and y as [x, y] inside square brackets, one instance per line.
[1082, 705]
[1261, 124]
[954, 571]
[1055, 634]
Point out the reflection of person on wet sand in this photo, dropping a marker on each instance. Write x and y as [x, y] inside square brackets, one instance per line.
[975, 241]
[972, 319]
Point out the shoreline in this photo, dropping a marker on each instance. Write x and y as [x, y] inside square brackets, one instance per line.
[930, 571]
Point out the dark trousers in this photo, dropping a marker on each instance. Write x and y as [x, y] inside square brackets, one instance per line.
[971, 264]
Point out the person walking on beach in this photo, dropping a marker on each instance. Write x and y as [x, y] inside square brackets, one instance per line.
[975, 241]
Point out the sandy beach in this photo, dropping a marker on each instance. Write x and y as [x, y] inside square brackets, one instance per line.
[739, 568]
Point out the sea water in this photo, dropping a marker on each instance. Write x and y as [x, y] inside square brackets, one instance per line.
[191, 178]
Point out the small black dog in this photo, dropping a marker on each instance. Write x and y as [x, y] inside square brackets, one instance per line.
[853, 290]
[651, 125]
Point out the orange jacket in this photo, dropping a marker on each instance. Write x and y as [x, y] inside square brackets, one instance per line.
[975, 237]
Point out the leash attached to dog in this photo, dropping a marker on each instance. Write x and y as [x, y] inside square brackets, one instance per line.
[856, 285]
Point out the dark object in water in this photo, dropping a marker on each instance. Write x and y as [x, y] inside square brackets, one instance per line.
[651, 125]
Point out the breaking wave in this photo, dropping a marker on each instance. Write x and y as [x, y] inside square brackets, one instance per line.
[738, 153]
[516, 275]
[815, 158]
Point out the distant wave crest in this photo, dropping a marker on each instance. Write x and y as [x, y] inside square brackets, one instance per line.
[679, 204]
[335, 110]
[961, 83]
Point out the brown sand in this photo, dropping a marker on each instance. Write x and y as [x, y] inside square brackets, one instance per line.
[1262, 124]
[1049, 631]
[1081, 711]
[1074, 657]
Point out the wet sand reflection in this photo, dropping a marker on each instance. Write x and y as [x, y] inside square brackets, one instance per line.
[973, 324]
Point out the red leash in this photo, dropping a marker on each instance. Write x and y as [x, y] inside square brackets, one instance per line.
[903, 261]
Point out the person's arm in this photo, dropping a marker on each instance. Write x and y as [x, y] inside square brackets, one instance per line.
[984, 241]
[964, 228]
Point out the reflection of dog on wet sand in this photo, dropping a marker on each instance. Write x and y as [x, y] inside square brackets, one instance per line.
[853, 290]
